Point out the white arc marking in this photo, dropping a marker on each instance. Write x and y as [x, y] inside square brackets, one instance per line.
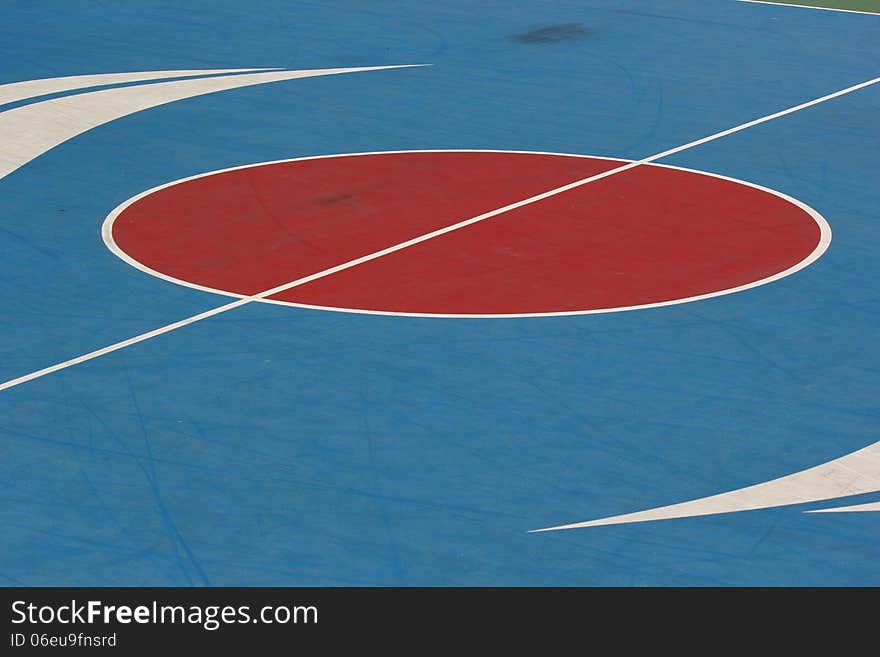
[855, 508]
[15, 91]
[853, 474]
[29, 131]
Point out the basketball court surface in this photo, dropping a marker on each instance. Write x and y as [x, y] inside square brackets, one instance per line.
[576, 293]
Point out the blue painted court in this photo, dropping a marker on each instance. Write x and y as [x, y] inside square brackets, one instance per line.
[280, 444]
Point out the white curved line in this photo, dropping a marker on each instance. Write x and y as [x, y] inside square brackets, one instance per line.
[29, 131]
[855, 508]
[15, 91]
[822, 245]
[853, 474]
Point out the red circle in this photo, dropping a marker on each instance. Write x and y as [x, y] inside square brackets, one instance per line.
[646, 235]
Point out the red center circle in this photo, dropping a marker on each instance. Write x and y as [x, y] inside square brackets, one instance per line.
[647, 235]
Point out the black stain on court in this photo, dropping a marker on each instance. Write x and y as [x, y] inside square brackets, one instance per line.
[552, 34]
[341, 197]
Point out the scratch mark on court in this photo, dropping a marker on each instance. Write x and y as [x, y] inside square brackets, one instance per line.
[394, 553]
[149, 471]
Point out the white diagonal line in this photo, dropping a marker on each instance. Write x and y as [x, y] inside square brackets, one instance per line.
[423, 238]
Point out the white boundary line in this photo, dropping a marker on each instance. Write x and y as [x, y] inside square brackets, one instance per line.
[240, 302]
[821, 246]
[786, 4]
[121, 345]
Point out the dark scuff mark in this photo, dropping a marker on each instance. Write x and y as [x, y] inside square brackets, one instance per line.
[552, 34]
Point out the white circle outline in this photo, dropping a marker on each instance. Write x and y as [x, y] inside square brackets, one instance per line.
[818, 251]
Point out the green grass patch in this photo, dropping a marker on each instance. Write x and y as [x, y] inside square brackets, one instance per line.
[855, 5]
